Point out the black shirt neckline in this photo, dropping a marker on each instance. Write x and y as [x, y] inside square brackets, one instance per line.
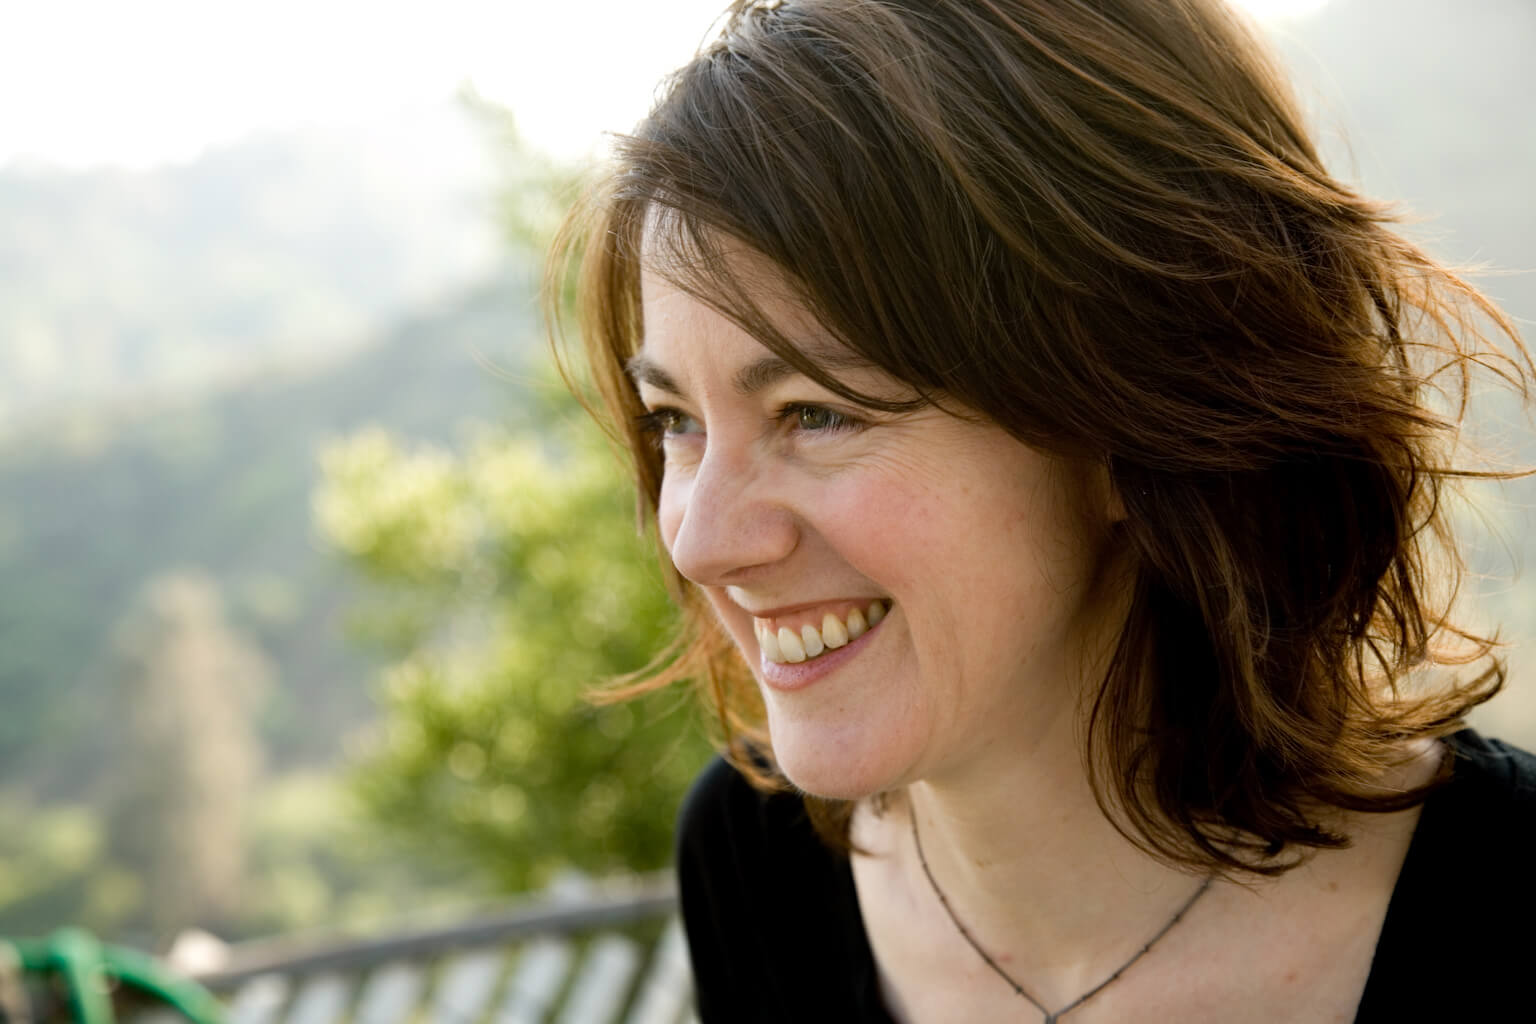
[1405, 930]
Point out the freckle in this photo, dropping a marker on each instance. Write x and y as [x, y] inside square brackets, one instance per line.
[1290, 977]
[1333, 886]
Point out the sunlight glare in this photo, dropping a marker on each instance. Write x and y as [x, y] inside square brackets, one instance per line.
[99, 81]
[1275, 10]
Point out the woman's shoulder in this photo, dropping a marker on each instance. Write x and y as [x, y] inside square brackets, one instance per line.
[1487, 808]
[725, 812]
[1463, 891]
[738, 842]
[1499, 767]
[1478, 830]
[772, 916]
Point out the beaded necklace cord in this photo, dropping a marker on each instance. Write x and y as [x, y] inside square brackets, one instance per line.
[1051, 1016]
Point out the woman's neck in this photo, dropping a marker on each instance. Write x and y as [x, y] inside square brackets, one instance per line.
[1027, 860]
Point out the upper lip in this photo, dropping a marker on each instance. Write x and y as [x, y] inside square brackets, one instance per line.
[791, 609]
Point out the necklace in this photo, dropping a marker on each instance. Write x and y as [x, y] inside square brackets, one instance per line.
[1051, 1017]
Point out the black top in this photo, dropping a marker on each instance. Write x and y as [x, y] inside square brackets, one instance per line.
[776, 935]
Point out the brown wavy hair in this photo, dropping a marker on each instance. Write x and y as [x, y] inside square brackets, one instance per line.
[1101, 225]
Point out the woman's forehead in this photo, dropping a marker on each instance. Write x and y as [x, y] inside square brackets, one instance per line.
[754, 301]
[700, 287]
[679, 326]
[707, 262]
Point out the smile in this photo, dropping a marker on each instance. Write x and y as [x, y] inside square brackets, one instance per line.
[789, 644]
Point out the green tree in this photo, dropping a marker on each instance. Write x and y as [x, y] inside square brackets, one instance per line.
[507, 580]
[186, 688]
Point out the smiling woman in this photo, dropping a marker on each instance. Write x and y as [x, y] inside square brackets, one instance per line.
[1048, 453]
[786, 505]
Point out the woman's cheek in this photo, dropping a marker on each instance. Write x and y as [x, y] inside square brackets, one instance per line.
[670, 506]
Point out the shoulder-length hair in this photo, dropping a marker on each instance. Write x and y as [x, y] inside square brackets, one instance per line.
[1101, 225]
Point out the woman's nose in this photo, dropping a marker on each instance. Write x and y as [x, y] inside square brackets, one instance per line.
[724, 521]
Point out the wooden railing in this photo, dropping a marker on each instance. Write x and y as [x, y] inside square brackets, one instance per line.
[600, 956]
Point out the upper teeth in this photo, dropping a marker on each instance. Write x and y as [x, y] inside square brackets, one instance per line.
[784, 644]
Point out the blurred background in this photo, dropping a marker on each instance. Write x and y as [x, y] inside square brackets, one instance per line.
[304, 562]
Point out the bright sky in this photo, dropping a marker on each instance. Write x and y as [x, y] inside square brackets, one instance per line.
[103, 81]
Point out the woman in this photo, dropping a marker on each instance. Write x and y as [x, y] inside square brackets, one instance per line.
[1047, 454]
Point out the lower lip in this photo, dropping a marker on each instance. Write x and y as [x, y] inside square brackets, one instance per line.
[787, 676]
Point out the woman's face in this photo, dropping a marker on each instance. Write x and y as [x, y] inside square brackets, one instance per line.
[791, 508]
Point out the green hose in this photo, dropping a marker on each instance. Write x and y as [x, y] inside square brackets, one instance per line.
[87, 967]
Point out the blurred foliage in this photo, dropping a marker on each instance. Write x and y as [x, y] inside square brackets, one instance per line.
[53, 869]
[507, 580]
[314, 859]
[311, 858]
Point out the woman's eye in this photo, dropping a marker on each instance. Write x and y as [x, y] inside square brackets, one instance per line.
[666, 422]
[816, 418]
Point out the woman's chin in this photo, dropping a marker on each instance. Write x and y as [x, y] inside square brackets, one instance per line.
[834, 770]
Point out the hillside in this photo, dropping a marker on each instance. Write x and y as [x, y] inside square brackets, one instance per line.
[118, 284]
[92, 509]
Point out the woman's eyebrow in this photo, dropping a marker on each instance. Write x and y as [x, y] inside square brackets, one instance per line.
[763, 373]
[749, 380]
[645, 371]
